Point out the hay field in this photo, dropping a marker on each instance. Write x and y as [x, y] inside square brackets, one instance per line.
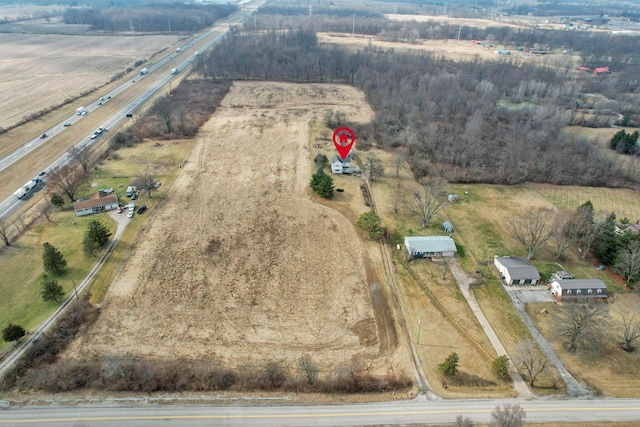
[38, 71]
[240, 264]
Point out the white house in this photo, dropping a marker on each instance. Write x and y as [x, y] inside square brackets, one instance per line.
[99, 202]
[430, 246]
[516, 271]
[341, 166]
[578, 289]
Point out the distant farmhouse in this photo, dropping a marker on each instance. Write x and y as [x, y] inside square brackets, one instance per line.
[430, 247]
[341, 166]
[99, 202]
[516, 271]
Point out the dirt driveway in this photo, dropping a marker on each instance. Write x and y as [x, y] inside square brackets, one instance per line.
[240, 264]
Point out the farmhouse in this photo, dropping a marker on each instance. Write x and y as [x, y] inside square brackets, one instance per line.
[429, 247]
[516, 271]
[338, 165]
[99, 202]
[579, 289]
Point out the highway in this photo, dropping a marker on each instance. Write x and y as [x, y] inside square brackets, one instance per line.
[146, 414]
[11, 204]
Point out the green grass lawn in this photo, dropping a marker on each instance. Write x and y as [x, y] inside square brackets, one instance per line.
[21, 264]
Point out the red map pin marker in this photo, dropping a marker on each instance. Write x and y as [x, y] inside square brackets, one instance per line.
[343, 139]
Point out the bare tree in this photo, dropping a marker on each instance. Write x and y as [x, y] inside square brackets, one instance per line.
[396, 198]
[68, 179]
[582, 326]
[399, 160]
[530, 357]
[561, 238]
[508, 416]
[308, 369]
[83, 156]
[148, 180]
[628, 262]
[20, 223]
[533, 229]
[163, 107]
[4, 232]
[45, 208]
[631, 328]
[427, 202]
[373, 167]
[463, 422]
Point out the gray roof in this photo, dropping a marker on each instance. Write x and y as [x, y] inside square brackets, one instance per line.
[338, 158]
[582, 284]
[430, 244]
[519, 268]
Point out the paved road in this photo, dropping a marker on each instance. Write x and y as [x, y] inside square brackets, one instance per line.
[387, 413]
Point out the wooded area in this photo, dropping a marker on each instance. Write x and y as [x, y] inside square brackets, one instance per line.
[478, 121]
[166, 17]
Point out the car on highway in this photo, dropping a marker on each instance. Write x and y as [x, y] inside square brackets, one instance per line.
[141, 209]
[41, 173]
[43, 136]
[67, 124]
[130, 214]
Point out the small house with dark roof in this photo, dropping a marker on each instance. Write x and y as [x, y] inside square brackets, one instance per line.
[579, 290]
[516, 270]
[99, 202]
[338, 165]
[430, 247]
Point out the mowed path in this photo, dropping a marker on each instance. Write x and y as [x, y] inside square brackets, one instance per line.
[240, 264]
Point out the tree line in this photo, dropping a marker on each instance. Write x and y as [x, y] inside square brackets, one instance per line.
[150, 18]
[478, 121]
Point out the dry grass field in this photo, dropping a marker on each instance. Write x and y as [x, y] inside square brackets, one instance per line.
[240, 264]
[38, 71]
[618, 372]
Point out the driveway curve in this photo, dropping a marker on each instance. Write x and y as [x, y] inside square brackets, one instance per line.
[464, 282]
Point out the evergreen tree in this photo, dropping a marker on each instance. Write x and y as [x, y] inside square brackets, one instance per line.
[98, 233]
[450, 365]
[57, 200]
[500, 368]
[371, 223]
[13, 332]
[51, 289]
[606, 244]
[52, 259]
[322, 184]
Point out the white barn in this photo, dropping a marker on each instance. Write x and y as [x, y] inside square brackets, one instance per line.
[516, 271]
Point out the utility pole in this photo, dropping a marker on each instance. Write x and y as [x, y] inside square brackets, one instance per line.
[76, 289]
[419, 330]
[353, 29]
[459, 30]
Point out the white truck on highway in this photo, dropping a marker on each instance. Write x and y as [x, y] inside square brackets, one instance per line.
[27, 188]
[144, 71]
[81, 111]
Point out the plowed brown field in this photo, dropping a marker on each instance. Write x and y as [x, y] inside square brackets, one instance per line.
[240, 264]
[38, 71]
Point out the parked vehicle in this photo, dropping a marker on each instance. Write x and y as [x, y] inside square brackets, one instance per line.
[130, 190]
[141, 209]
[130, 214]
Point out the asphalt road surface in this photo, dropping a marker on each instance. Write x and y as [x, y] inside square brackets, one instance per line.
[387, 413]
